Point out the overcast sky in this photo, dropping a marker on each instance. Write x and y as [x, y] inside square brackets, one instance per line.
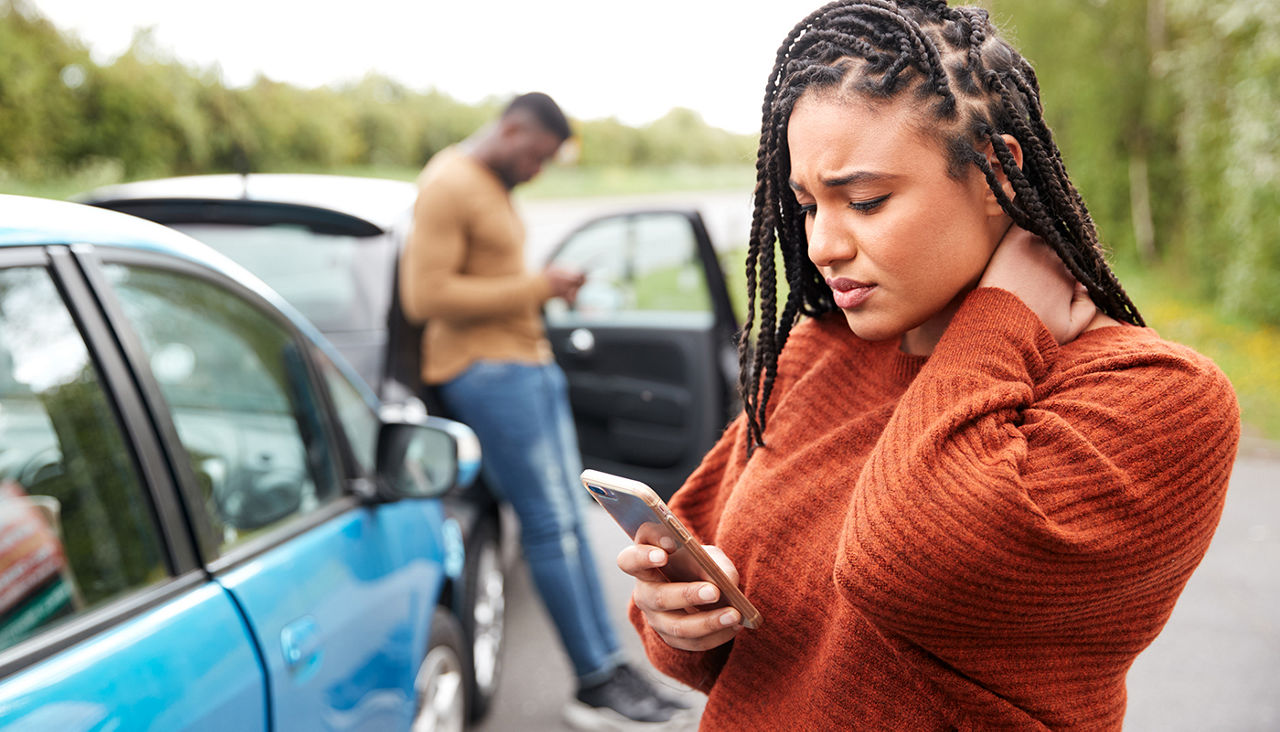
[598, 58]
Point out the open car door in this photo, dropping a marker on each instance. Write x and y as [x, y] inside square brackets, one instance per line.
[648, 348]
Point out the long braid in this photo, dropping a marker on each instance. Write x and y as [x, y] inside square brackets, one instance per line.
[981, 89]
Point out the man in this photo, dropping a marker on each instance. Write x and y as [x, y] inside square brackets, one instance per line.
[484, 348]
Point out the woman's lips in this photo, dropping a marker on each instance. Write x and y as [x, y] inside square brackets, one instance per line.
[849, 293]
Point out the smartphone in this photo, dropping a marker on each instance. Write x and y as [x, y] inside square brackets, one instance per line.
[646, 519]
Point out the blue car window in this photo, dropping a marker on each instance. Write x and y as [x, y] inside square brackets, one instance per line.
[359, 422]
[76, 526]
[240, 396]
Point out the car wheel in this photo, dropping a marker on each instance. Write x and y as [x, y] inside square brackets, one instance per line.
[440, 687]
[484, 615]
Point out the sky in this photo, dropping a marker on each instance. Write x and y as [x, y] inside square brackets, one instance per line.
[597, 58]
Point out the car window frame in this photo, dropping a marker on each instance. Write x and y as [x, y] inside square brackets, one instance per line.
[721, 306]
[92, 261]
[176, 545]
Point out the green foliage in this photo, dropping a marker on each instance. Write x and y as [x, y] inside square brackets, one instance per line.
[63, 117]
[682, 137]
[1100, 100]
[1225, 70]
[1175, 100]
[39, 111]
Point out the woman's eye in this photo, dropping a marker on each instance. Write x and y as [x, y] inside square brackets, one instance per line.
[869, 206]
[808, 209]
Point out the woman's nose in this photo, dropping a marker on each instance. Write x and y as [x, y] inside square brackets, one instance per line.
[829, 242]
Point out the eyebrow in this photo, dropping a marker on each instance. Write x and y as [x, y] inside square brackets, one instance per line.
[860, 176]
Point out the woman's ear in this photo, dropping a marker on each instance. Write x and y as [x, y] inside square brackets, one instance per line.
[1015, 149]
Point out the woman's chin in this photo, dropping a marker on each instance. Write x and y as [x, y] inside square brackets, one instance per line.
[869, 329]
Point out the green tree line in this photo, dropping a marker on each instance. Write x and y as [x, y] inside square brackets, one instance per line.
[1165, 111]
[147, 114]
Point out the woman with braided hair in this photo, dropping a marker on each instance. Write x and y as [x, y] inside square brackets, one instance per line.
[968, 484]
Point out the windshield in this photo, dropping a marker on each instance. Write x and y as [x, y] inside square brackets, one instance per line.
[339, 282]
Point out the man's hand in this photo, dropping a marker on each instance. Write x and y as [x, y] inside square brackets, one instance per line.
[564, 283]
[1024, 265]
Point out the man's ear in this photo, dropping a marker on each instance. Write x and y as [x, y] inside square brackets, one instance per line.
[1015, 149]
[509, 127]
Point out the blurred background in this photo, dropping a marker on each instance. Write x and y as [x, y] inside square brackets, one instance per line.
[1165, 111]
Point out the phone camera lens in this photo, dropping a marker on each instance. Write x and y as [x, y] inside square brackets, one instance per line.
[597, 490]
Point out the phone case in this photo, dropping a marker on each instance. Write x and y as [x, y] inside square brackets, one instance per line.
[646, 519]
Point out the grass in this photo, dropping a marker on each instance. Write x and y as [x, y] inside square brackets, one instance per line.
[63, 186]
[562, 182]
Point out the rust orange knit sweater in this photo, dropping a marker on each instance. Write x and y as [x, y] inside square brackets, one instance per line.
[981, 540]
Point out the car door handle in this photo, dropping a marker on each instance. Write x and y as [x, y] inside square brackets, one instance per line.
[582, 342]
[300, 642]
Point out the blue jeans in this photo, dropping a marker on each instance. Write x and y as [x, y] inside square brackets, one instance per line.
[521, 414]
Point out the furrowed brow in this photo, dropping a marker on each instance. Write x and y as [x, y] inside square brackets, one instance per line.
[856, 177]
[860, 176]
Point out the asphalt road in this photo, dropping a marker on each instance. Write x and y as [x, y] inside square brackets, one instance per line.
[1215, 667]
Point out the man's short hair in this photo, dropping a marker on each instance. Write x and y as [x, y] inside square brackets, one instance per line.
[545, 110]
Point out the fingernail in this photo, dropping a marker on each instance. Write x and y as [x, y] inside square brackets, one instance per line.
[657, 556]
[707, 593]
[667, 543]
[729, 617]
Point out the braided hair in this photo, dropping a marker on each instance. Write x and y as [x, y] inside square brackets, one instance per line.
[976, 88]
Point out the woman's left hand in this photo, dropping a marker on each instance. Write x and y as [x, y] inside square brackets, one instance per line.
[1024, 265]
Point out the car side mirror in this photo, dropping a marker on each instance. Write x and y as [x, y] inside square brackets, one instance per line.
[424, 457]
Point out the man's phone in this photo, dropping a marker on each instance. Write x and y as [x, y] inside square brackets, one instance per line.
[647, 520]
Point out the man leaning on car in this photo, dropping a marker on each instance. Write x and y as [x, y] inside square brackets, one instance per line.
[485, 352]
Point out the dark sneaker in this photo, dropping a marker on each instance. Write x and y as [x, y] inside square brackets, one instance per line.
[620, 704]
[642, 686]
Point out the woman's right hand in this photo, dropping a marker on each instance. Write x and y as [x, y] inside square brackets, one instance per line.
[676, 610]
[1025, 266]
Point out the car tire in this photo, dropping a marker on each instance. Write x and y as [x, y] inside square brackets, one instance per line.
[484, 615]
[440, 688]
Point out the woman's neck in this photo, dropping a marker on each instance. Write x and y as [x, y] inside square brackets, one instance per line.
[921, 340]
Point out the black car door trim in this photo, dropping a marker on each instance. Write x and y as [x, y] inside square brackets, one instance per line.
[721, 303]
[178, 471]
[121, 391]
[179, 210]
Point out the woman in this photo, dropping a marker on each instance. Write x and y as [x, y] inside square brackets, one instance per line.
[968, 485]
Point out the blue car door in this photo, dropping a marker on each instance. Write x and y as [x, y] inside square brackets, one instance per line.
[107, 622]
[338, 594]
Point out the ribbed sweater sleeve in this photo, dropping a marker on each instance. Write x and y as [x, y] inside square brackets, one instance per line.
[1013, 499]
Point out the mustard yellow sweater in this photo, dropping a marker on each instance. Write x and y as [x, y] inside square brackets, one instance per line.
[463, 272]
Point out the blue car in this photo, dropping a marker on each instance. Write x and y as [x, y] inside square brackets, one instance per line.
[328, 245]
[207, 520]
